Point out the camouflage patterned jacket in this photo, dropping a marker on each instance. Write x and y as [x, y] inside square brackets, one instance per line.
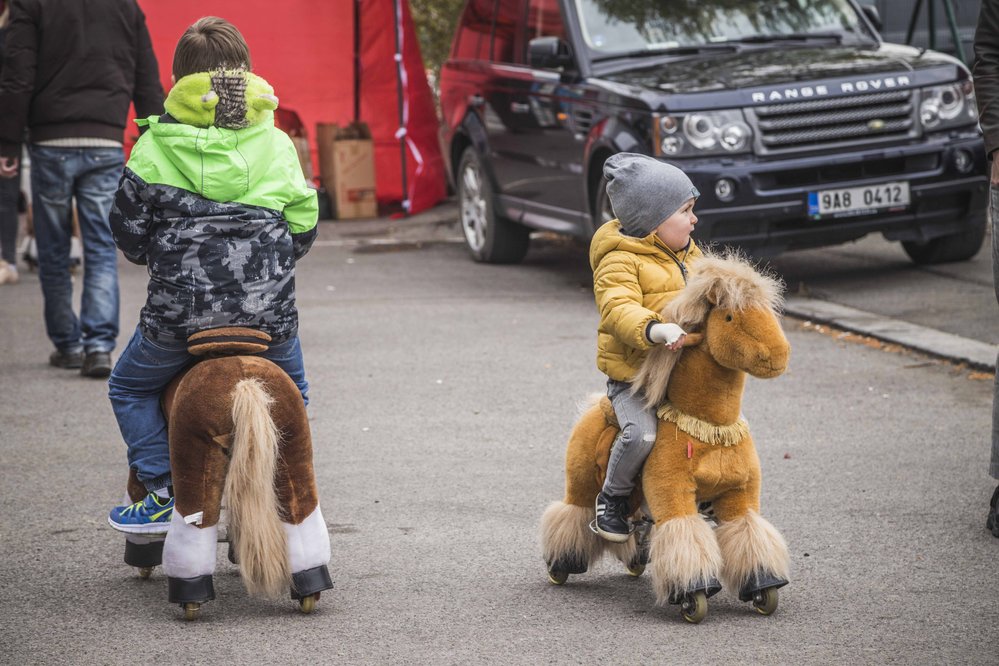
[218, 214]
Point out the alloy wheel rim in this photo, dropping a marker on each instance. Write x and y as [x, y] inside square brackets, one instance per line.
[473, 207]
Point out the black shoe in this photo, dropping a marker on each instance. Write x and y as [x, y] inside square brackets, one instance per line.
[70, 360]
[992, 522]
[612, 517]
[96, 364]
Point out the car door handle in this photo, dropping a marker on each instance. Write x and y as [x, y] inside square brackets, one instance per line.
[519, 107]
[477, 100]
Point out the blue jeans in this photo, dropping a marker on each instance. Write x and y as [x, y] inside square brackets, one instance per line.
[90, 175]
[139, 377]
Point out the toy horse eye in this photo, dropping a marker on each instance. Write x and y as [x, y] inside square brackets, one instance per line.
[728, 317]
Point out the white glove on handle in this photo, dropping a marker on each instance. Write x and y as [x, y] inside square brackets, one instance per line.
[665, 334]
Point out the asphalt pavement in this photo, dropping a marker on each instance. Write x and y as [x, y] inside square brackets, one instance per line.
[442, 395]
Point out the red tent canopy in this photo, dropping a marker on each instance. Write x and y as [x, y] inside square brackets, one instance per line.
[306, 50]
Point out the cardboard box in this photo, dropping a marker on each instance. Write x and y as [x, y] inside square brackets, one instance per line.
[347, 168]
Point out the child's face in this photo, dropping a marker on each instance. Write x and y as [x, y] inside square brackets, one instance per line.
[675, 229]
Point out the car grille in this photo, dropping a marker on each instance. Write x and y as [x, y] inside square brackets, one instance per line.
[821, 122]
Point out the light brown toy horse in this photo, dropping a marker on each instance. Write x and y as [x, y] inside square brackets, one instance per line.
[237, 426]
[703, 453]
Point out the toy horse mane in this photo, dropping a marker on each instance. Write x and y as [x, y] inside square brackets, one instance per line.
[726, 280]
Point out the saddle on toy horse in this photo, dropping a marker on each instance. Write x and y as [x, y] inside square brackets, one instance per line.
[703, 453]
[238, 429]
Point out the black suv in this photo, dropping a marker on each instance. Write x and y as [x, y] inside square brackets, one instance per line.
[799, 126]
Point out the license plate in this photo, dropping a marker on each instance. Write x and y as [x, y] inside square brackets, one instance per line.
[859, 200]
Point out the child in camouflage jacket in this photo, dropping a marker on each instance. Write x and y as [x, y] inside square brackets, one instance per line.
[214, 202]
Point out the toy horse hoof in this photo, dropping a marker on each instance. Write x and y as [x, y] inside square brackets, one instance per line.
[759, 581]
[143, 554]
[559, 570]
[197, 590]
[694, 606]
[310, 582]
[191, 611]
[765, 601]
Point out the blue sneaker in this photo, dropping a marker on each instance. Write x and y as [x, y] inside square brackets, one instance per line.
[149, 516]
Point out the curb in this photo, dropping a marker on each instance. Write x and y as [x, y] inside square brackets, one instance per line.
[980, 355]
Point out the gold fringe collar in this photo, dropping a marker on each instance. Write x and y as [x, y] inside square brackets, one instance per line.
[726, 435]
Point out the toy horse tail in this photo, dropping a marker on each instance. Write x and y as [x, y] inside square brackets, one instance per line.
[254, 511]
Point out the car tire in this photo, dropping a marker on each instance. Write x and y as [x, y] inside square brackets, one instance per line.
[955, 247]
[603, 212]
[490, 238]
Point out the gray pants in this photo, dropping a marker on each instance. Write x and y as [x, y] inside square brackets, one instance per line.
[994, 214]
[634, 442]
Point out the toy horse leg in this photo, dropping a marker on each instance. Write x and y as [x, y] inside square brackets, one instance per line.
[567, 543]
[141, 552]
[754, 553]
[684, 554]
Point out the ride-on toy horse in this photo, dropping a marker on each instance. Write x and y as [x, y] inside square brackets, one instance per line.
[238, 428]
[703, 453]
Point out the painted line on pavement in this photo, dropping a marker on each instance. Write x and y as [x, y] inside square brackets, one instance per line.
[930, 341]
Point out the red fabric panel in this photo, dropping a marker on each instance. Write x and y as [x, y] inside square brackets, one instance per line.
[380, 108]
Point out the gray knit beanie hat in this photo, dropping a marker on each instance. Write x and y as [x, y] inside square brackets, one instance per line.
[644, 191]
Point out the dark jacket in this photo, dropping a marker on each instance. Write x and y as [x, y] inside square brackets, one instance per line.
[71, 69]
[218, 215]
[986, 72]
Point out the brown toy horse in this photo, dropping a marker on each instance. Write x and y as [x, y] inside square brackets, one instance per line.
[238, 427]
[703, 453]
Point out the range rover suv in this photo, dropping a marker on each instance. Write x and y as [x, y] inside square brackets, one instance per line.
[797, 123]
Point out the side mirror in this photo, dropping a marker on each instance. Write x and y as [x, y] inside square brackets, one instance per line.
[871, 12]
[548, 53]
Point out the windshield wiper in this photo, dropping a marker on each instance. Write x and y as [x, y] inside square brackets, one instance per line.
[673, 50]
[788, 37]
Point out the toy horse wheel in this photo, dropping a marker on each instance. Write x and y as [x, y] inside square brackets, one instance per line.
[191, 611]
[694, 607]
[635, 569]
[308, 604]
[145, 572]
[765, 601]
[557, 576]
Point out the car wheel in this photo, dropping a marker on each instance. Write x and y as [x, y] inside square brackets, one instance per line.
[602, 210]
[490, 238]
[956, 247]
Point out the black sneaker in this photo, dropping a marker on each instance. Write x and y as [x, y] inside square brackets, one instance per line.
[96, 364]
[612, 517]
[70, 360]
[992, 522]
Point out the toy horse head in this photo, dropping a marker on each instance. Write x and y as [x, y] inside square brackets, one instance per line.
[731, 311]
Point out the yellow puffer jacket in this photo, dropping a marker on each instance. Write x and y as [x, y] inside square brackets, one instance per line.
[633, 278]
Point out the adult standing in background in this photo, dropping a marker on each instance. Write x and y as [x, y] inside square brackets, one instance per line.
[71, 69]
[986, 74]
[10, 191]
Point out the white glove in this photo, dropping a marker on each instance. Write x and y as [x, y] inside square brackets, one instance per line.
[665, 334]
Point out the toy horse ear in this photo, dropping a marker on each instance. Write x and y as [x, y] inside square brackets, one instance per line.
[693, 339]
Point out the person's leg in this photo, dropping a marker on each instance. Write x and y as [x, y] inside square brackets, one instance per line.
[992, 521]
[142, 372]
[10, 191]
[288, 356]
[96, 182]
[52, 187]
[633, 444]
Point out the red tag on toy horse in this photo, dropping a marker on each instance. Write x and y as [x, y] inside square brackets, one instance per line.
[690, 449]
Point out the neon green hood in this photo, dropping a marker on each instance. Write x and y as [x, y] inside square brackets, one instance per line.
[256, 165]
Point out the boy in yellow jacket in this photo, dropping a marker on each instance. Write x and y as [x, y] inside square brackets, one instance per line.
[638, 263]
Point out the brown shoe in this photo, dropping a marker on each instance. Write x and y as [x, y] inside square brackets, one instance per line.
[96, 364]
[69, 360]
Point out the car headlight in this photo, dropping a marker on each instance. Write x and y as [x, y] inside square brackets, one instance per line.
[701, 133]
[944, 107]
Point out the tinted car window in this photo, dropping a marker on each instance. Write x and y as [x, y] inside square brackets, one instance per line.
[472, 40]
[508, 14]
[544, 20]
